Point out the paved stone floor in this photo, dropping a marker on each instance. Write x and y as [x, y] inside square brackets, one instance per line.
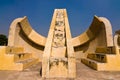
[83, 73]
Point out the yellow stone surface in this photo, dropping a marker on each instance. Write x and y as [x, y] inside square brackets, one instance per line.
[12, 58]
[105, 59]
[58, 52]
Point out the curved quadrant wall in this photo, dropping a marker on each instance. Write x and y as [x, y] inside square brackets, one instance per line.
[99, 34]
[21, 34]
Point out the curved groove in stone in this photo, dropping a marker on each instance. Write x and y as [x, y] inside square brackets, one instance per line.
[94, 30]
[31, 34]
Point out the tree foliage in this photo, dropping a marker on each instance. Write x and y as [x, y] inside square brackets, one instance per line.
[3, 39]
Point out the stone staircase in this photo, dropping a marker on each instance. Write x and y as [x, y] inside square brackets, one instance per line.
[103, 60]
[14, 58]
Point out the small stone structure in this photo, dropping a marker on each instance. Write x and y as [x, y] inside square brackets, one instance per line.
[59, 52]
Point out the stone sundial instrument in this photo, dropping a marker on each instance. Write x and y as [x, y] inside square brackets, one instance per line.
[59, 52]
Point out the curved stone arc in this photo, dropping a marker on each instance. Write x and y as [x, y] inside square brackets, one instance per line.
[31, 34]
[11, 36]
[117, 42]
[117, 39]
[93, 30]
[108, 29]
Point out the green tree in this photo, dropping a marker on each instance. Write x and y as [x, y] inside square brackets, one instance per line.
[3, 40]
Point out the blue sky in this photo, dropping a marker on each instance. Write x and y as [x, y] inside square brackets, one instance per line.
[39, 13]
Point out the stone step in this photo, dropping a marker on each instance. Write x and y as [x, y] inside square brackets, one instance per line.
[100, 57]
[28, 62]
[22, 56]
[106, 50]
[93, 64]
[11, 50]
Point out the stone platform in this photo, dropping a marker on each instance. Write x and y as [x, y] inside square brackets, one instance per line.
[83, 73]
